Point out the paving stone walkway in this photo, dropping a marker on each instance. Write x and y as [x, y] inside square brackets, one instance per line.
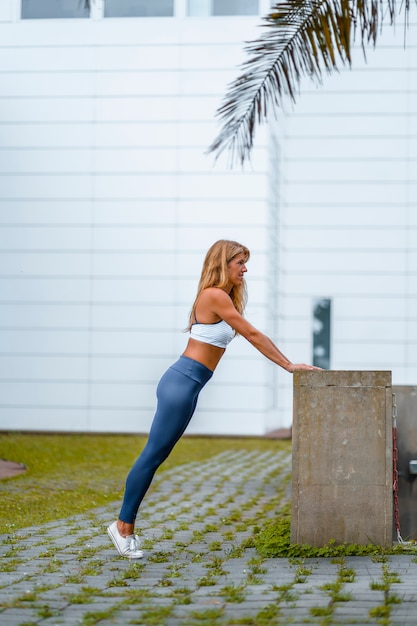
[199, 567]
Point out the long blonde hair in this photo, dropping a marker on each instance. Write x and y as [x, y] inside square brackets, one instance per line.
[215, 273]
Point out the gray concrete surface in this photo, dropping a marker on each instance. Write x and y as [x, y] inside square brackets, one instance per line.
[199, 568]
[342, 446]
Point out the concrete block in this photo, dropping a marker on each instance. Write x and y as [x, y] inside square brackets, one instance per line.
[342, 458]
[406, 400]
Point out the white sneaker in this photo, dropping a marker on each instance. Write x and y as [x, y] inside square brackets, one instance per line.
[125, 546]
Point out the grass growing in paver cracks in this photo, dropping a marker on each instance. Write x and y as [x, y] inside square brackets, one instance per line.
[161, 556]
[10, 564]
[286, 593]
[54, 565]
[44, 611]
[30, 599]
[336, 593]
[208, 617]
[74, 579]
[84, 595]
[383, 611]
[215, 566]
[153, 616]
[133, 571]
[95, 617]
[233, 593]
[270, 615]
[207, 581]
[302, 572]
[136, 596]
[93, 568]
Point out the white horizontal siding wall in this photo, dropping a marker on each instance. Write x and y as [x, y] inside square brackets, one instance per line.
[107, 206]
[350, 233]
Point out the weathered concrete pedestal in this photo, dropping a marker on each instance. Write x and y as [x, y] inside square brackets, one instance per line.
[342, 458]
[406, 400]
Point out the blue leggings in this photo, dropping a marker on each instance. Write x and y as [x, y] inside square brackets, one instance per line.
[177, 395]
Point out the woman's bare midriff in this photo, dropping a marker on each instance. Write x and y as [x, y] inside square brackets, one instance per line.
[204, 353]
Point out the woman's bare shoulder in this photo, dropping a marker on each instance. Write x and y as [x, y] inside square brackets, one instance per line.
[214, 296]
[214, 292]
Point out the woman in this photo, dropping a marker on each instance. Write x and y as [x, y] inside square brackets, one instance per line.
[216, 317]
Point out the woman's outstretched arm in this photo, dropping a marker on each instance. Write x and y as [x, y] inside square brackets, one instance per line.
[220, 303]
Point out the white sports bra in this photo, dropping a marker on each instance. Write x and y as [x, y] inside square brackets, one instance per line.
[219, 334]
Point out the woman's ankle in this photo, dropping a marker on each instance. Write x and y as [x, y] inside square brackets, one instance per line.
[124, 528]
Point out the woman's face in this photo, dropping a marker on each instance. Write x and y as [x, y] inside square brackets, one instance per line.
[237, 268]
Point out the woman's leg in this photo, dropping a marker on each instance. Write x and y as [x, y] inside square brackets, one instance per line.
[177, 396]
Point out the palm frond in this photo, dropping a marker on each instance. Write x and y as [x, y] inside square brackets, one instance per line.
[301, 38]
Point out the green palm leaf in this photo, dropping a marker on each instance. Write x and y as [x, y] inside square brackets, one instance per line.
[301, 38]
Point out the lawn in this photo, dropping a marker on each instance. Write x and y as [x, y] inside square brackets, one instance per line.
[70, 474]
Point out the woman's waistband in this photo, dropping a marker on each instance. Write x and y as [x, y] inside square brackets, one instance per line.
[193, 369]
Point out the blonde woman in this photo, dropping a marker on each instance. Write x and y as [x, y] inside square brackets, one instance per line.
[216, 317]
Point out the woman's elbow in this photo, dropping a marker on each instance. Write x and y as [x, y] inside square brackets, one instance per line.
[254, 336]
